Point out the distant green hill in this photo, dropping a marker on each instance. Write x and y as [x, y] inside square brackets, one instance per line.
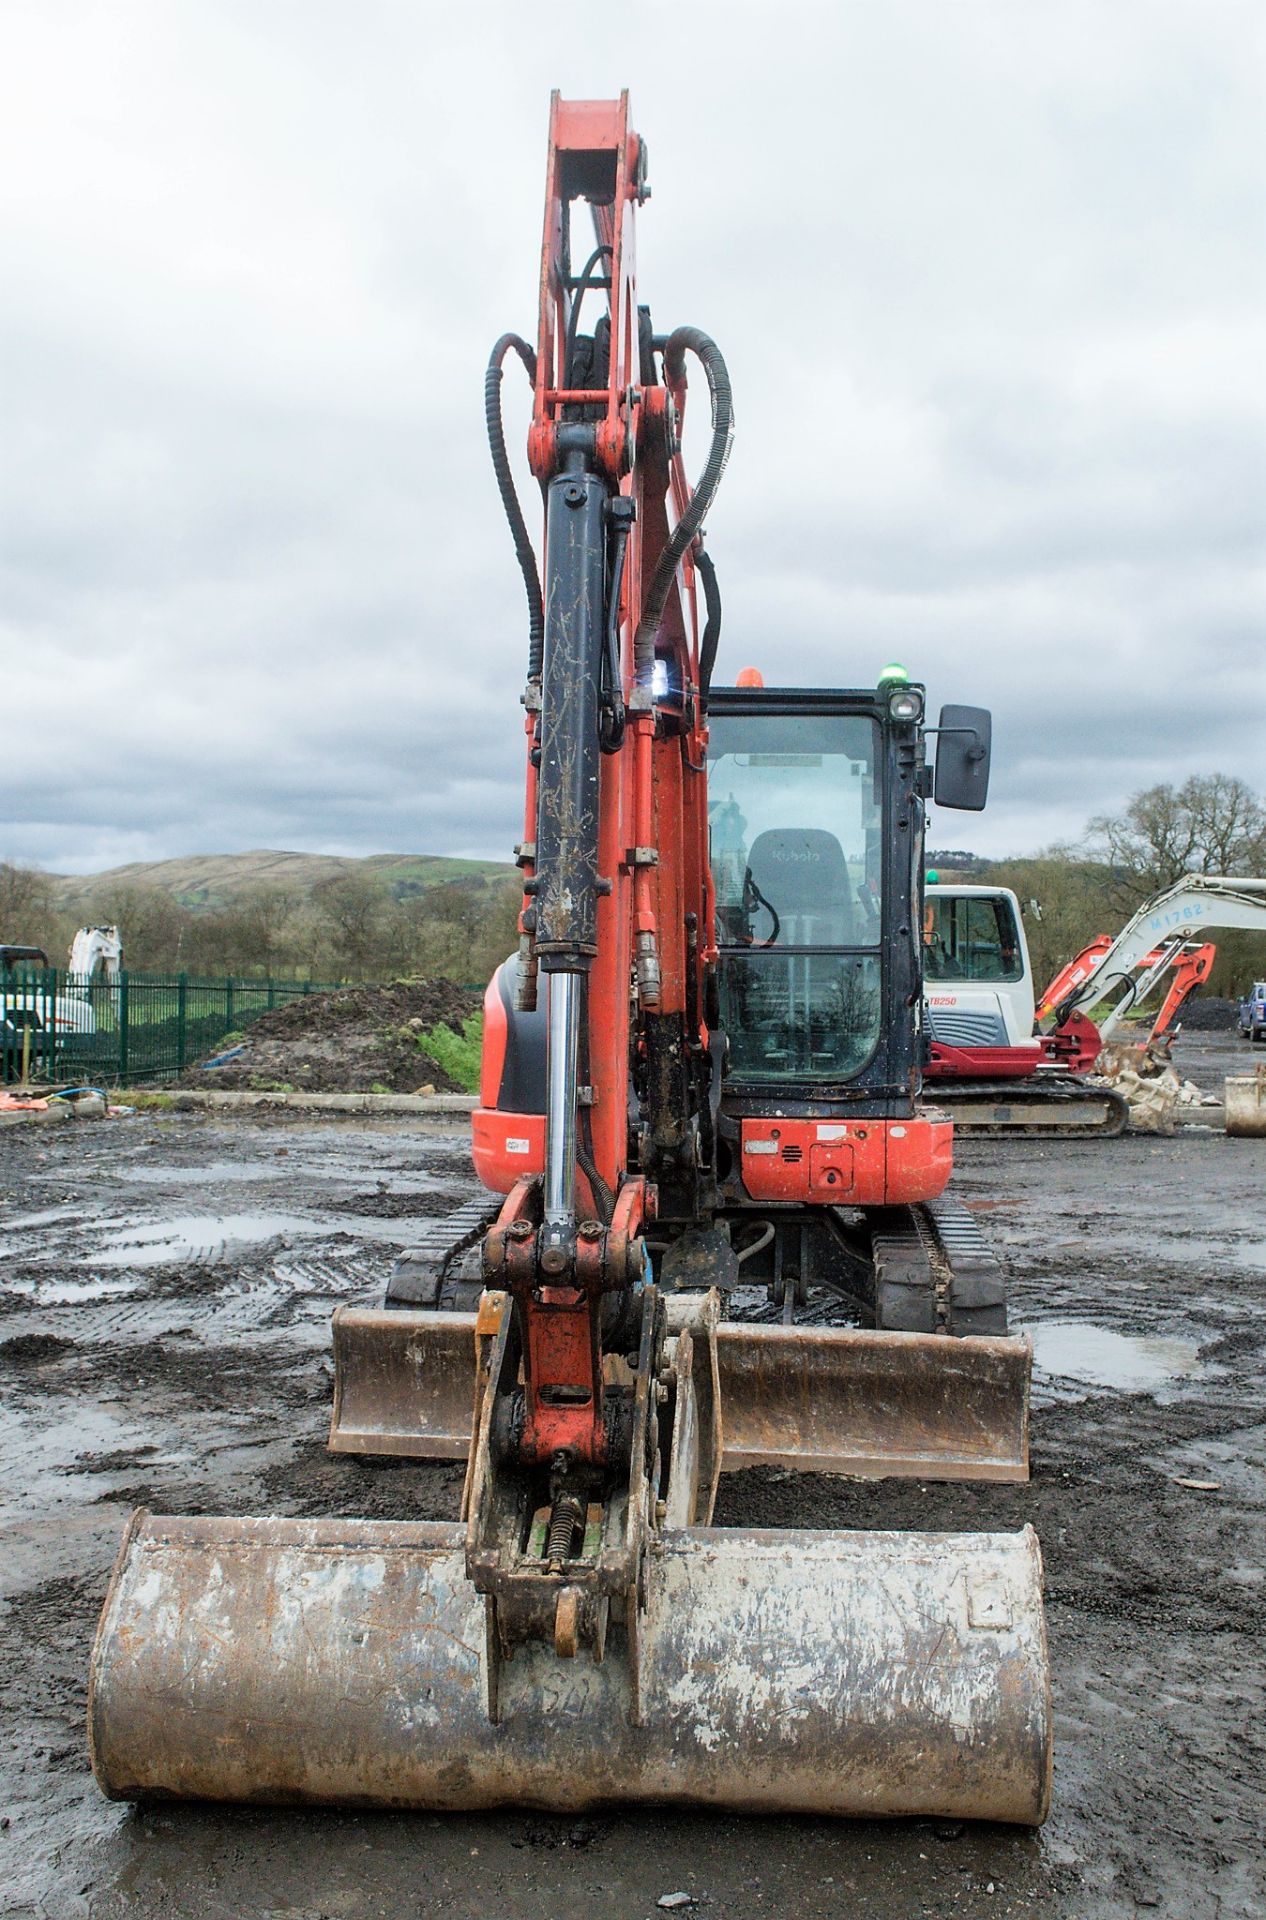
[208, 880]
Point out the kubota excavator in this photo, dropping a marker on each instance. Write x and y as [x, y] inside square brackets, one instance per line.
[721, 1238]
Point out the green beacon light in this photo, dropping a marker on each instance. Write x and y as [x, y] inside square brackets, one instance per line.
[931, 877]
[893, 671]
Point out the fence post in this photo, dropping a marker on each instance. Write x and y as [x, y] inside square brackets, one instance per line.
[123, 1033]
[228, 1004]
[182, 1020]
[272, 993]
[52, 1042]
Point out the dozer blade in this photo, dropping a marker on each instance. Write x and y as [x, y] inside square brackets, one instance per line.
[835, 1400]
[346, 1661]
[404, 1383]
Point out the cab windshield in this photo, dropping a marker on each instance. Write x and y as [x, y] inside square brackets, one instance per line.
[795, 814]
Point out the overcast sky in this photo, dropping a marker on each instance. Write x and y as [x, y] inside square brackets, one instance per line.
[989, 278]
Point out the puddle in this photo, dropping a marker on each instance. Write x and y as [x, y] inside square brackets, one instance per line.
[49, 1217]
[196, 1236]
[222, 1172]
[1079, 1350]
[64, 1293]
[372, 1177]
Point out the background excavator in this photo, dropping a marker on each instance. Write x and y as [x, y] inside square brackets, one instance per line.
[1003, 1061]
[43, 1026]
[720, 1237]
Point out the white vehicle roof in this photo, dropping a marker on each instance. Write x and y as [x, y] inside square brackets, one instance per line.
[952, 886]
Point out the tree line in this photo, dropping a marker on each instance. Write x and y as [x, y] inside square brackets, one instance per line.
[354, 928]
[1210, 824]
[351, 927]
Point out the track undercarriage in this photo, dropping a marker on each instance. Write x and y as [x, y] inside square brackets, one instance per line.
[839, 1339]
[1056, 1108]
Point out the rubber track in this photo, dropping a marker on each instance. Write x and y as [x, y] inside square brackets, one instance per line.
[420, 1273]
[1006, 1092]
[975, 1298]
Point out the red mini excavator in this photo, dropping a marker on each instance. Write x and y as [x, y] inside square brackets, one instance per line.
[722, 1237]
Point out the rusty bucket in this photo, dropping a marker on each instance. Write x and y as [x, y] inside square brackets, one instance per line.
[1246, 1105]
[344, 1661]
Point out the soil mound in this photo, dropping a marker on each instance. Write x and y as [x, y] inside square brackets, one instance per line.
[1206, 1013]
[352, 1040]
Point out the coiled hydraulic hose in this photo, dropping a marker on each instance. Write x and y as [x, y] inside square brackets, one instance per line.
[687, 340]
[524, 550]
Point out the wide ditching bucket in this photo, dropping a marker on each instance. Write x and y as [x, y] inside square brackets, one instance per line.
[835, 1400]
[346, 1661]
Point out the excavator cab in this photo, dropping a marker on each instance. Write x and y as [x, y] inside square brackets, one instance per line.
[798, 786]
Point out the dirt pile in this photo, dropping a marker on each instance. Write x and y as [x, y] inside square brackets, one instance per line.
[353, 1040]
[1207, 1013]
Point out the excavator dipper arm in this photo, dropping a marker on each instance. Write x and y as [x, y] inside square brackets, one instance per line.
[605, 857]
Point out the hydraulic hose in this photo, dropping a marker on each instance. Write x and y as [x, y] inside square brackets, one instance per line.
[577, 301]
[603, 1197]
[613, 722]
[712, 627]
[687, 340]
[524, 550]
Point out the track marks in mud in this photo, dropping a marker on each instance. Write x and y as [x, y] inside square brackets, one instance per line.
[402, 1206]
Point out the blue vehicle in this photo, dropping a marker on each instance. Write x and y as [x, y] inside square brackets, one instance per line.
[1253, 1013]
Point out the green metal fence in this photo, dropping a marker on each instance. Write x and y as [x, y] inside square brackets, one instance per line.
[142, 1026]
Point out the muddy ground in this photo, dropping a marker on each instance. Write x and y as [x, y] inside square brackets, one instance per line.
[164, 1303]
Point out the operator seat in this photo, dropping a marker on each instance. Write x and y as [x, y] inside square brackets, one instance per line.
[802, 874]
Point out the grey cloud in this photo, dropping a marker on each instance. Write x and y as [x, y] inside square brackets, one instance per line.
[989, 280]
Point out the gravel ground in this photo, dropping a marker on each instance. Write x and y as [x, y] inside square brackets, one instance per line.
[164, 1307]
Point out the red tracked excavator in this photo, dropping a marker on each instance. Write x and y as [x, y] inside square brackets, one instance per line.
[723, 1238]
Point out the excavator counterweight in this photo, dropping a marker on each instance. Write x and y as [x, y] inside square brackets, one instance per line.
[722, 1239]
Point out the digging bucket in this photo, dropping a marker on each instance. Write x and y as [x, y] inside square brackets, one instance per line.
[1246, 1105]
[345, 1662]
[830, 1399]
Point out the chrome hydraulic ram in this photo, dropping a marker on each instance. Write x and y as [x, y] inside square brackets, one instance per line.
[566, 879]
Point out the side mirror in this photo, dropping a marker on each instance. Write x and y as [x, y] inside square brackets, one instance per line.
[963, 743]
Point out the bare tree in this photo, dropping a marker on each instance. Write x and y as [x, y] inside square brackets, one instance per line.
[26, 906]
[153, 927]
[354, 914]
[1210, 824]
[255, 933]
